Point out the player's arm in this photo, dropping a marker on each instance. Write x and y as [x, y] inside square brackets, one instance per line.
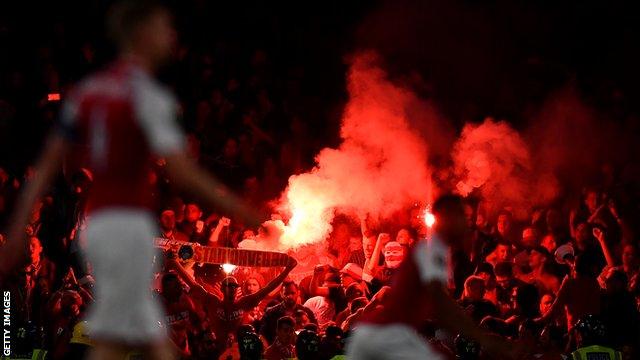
[191, 178]
[46, 168]
[452, 318]
[254, 299]
[156, 111]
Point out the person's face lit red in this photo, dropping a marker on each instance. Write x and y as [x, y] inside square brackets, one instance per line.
[502, 252]
[35, 248]
[251, 286]
[549, 243]
[290, 295]
[545, 303]
[404, 237]
[192, 213]
[168, 220]
[503, 224]
[369, 245]
[591, 201]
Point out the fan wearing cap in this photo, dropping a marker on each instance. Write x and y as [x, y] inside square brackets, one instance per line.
[419, 292]
[227, 311]
[591, 333]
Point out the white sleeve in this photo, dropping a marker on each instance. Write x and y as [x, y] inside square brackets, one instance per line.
[432, 260]
[156, 109]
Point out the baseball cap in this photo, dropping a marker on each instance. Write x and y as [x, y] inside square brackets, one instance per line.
[564, 253]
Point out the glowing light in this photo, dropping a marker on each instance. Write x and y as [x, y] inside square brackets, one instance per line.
[429, 218]
[228, 268]
[53, 97]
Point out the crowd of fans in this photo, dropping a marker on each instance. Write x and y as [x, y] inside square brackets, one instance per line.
[566, 278]
[552, 281]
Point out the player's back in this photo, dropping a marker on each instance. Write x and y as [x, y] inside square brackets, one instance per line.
[115, 115]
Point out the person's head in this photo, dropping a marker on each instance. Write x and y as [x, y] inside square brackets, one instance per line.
[332, 280]
[504, 273]
[171, 286]
[250, 346]
[470, 214]
[501, 252]
[529, 238]
[308, 345]
[289, 293]
[584, 236]
[503, 224]
[248, 234]
[228, 286]
[590, 330]
[466, 349]
[143, 28]
[350, 274]
[355, 243]
[357, 304]
[545, 302]
[405, 238]
[393, 254]
[368, 245]
[537, 256]
[208, 273]
[302, 319]
[353, 291]
[630, 259]
[485, 271]
[525, 300]
[591, 200]
[192, 213]
[549, 242]
[451, 223]
[285, 330]
[35, 249]
[251, 286]
[168, 220]
[70, 303]
[207, 345]
[474, 288]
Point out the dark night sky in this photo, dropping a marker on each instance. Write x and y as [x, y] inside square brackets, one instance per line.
[475, 58]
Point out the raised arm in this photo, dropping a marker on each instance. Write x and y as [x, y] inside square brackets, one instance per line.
[215, 234]
[315, 289]
[14, 251]
[372, 264]
[599, 234]
[558, 305]
[253, 299]
[174, 264]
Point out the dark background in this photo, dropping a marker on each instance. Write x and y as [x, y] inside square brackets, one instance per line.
[474, 58]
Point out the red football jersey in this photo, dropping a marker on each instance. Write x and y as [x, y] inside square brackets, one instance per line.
[122, 115]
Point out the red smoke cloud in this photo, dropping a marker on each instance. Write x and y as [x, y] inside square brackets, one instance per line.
[494, 159]
[380, 167]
